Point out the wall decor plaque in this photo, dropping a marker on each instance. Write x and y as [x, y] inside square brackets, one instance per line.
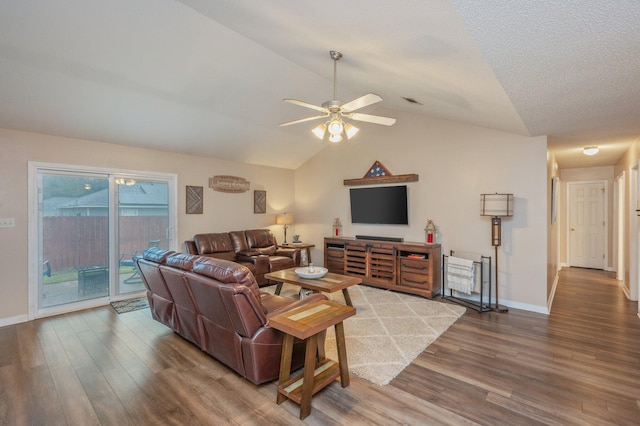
[224, 183]
[194, 199]
[259, 201]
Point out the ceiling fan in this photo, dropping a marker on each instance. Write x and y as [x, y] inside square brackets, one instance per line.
[336, 111]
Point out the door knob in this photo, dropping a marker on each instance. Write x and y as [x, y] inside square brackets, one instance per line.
[573, 229]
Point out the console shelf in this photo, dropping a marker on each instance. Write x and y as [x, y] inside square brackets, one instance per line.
[403, 266]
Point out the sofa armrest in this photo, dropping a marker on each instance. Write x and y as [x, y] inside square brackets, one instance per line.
[261, 261]
[293, 253]
[189, 247]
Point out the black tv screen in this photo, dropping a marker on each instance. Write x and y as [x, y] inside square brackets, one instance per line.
[380, 205]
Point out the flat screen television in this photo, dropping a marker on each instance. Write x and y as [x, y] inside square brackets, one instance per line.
[380, 205]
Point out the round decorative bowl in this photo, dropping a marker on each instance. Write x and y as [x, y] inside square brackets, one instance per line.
[318, 272]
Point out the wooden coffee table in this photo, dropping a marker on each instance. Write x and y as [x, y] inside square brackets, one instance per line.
[330, 283]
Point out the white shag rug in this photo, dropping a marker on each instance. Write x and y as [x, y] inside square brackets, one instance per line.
[389, 330]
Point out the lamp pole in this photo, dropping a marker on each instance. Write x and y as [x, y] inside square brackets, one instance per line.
[496, 238]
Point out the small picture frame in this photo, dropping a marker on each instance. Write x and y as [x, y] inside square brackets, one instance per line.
[259, 202]
[194, 199]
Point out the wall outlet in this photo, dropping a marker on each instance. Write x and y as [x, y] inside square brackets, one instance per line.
[7, 222]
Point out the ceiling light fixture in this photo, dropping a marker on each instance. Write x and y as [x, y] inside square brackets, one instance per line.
[319, 131]
[336, 128]
[590, 150]
[127, 182]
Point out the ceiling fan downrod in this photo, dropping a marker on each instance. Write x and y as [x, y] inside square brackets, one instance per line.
[336, 57]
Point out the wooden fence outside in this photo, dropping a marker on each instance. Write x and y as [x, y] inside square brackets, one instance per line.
[81, 241]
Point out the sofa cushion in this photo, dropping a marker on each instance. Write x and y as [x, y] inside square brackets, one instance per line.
[261, 239]
[227, 272]
[216, 245]
[239, 241]
[157, 255]
[182, 261]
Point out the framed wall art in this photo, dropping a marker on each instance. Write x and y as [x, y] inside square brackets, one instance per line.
[259, 201]
[194, 199]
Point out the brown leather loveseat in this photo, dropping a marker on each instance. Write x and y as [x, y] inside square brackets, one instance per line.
[256, 249]
[217, 305]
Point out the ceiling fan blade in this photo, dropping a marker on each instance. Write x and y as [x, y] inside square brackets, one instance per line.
[376, 119]
[361, 102]
[302, 120]
[306, 105]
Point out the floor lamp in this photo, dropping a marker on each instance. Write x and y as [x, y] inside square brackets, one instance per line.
[284, 219]
[497, 206]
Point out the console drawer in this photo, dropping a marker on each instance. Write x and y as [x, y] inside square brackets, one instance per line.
[418, 266]
[415, 280]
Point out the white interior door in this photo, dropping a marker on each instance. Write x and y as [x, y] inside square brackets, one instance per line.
[586, 224]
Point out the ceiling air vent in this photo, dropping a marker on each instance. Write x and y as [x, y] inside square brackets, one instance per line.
[411, 101]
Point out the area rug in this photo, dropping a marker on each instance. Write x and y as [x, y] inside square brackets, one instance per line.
[129, 305]
[389, 330]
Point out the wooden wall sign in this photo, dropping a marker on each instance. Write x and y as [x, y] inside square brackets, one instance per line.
[228, 184]
[378, 173]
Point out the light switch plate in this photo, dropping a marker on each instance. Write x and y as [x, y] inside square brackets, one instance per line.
[7, 222]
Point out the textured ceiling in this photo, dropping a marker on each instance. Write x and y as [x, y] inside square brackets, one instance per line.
[208, 76]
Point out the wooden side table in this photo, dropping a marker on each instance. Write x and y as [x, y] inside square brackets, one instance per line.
[310, 323]
[305, 246]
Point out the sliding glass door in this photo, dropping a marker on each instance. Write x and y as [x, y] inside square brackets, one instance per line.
[91, 225]
[74, 237]
[143, 222]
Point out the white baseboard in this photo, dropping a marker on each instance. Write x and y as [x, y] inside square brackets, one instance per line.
[607, 268]
[526, 307]
[13, 320]
[553, 291]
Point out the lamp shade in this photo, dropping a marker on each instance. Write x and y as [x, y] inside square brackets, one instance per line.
[497, 205]
[284, 219]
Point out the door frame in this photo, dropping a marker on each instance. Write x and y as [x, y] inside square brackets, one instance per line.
[633, 288]
[619, 227]
[605, 196]
[34, 266]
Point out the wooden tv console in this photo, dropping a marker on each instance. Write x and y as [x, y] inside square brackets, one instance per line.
[402, 266]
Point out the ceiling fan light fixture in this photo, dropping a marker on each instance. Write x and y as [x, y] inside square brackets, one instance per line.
[335, 110]
[319, 131]
[590, 150]
[335, 138]
[350, 130]
[335, 126]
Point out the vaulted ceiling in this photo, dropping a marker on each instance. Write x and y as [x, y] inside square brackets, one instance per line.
[208, 77]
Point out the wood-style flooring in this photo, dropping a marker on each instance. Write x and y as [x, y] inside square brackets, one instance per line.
[580, 365]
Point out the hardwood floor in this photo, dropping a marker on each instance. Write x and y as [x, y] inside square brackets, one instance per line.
[579, 365]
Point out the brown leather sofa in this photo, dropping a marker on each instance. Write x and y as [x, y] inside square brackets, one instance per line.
[256, 249]
[217, 305]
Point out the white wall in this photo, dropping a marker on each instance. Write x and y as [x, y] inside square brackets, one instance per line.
[456, 163]
[222, 211]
